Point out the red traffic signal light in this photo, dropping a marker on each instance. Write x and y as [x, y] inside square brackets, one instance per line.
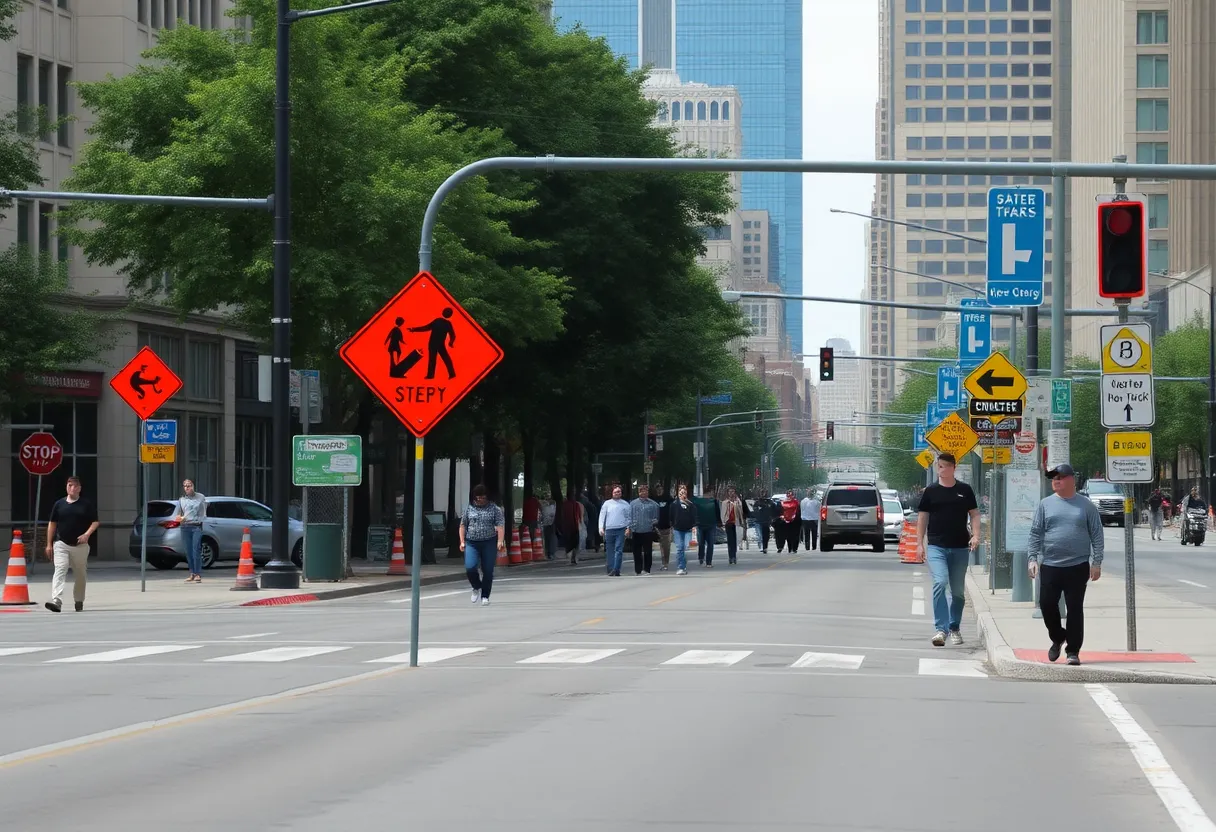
[827, 364]
[1121, 249]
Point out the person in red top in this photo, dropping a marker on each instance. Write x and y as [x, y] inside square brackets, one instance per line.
[791, 514]
[732, 521]
[531, 514]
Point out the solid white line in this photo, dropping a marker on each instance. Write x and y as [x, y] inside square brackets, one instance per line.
[407, 599]
[252, 635]
[1188, 815]
[126, 653]
[21, 651]
[722, 658]
[279, 654]
[836, 661]
[918, 606]
[570, 656]
[1191, 583]
[952, 667]
[428, 655]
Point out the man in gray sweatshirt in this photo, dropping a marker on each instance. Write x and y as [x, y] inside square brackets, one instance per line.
[1066, 535]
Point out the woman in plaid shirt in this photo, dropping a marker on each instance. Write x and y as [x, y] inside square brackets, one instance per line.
[482, 537]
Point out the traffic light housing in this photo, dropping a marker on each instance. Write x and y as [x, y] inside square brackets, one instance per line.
[759, 423]
[776, 473]
[827, 364]
[1121, 249]
[652, 445]
[831, 430]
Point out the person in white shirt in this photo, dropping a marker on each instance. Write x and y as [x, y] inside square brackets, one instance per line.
[614, 525]
[809, 508]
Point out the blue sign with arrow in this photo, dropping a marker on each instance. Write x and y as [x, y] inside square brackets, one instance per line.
[1017, 234]
[160, 432]
[919, 443]
[948, 387]
[974, 333]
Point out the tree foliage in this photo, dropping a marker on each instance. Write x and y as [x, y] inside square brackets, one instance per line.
[1182, 407]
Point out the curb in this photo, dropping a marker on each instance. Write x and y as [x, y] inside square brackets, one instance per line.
[1005, 664]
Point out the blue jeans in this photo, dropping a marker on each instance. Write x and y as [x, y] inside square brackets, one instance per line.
[681, 539]
[192, 539]
[481, 554]
[705, 543]
[614, 549]
[948, 565]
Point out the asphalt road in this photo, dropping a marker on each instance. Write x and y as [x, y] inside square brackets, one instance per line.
[1187, 573]
[787, 692]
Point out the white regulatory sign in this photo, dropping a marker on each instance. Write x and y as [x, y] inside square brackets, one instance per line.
[1127, 401]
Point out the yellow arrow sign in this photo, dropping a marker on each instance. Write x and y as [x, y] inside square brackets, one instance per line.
[953, 436]
[925, 458]
[996, 378]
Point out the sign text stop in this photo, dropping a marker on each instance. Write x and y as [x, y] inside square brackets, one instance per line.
[41, 453]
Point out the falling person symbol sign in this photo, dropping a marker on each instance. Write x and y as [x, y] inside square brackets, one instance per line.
[421, 353]
[146, 383]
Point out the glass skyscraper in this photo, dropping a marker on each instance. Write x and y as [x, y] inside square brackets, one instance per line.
[752, 45]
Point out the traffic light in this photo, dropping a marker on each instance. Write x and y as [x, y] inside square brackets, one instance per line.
[827, 364]
[652, 445]
[831, 431]
[759, 423]
[757, 473]
[1121, 249]
[776, 473]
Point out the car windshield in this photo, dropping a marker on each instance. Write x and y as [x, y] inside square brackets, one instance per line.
[892, 508]
[852, 496]
[1102, 488]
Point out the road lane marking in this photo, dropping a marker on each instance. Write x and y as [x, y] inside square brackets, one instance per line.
[278, 654]
[568, 656]
[834, 661]
[126, 653]
[429, 655]
[22, 651]
[669, 598]
[918, 574]
[1191, 583]
[407, 598]
[952, 667]
[720, 658]
[918, 600]
[591, 621]
[1188, 815]
[251, 635]
[55, 749]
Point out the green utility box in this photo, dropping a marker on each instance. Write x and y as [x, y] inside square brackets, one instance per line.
[323, 552]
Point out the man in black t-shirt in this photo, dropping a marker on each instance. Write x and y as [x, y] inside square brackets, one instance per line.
[945, 544]
[73, 521]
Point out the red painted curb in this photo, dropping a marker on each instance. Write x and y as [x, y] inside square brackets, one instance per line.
[281, 601]
[1088, 657]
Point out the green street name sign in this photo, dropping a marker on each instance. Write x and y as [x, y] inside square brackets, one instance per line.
[327, 460]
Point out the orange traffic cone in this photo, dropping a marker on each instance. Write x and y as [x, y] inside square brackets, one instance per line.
[525, 544]
[245, 578]
[397, 566]
[538, 545]
[502, 558]
[16, 584]
[515, 556]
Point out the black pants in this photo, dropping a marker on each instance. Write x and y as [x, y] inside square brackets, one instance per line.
[810, 534]
[765, 532]
[792, 532]
[643, 551]
[732, 541]
[1072, 581]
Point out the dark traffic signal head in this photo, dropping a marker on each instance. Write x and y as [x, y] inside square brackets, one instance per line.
[652, 445]
[1121, 249]
[830, 433]
[827, 364]
[759, 423]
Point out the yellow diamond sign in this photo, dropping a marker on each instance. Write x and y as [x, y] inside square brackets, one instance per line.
[996, 378]
[953, 436]
[925, 458]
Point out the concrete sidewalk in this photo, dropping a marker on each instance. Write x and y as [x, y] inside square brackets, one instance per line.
[1176, 640]
[115, 585]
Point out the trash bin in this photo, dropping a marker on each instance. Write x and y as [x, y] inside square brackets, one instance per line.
[323, 552]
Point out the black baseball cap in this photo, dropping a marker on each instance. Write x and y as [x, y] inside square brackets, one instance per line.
[1064, 470]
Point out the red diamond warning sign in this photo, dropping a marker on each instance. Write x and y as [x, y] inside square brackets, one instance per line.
[421, 353]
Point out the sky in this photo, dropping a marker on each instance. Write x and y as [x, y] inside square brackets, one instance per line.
[839, 91]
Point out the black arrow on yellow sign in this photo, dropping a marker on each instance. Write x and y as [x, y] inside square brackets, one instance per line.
[988, 382]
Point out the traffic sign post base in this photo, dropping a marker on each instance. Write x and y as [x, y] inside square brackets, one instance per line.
[279, 574]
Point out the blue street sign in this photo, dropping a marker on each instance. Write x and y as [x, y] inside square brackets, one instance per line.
[974, 334]
[160, 432]
[931, 412]
[1017, 231]
[720, 398]
[919, 443]
[948, 387]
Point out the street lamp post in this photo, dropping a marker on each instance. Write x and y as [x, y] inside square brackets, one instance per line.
[280, 572]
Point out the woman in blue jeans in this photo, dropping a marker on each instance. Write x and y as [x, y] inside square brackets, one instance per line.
[683, 516]
[191, 512]
[482, 536]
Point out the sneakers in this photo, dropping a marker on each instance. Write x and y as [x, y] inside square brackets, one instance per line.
[681, 571]
[485, 602]
[1074, 659]
[1053, 653]
[939, 639]
[956, 637]
[53, 607]
[476, 595]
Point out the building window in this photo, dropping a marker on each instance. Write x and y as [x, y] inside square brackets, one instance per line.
[1158, 211]
[912, 6]
[913, 200]
[1020, 5]
[1152, 153]
[1042, 114]
[911, 27]
[998, 48]
[714, 111]
[933, 6]
[912, 70]
[253, 459]
[956, 71]
[998, 70]
[1152, 115]
[977, 92]
[45, 83]
[933, 70]
[1152, 71]
[1042, 47]
[914, 246]
[977, 114]
[976, 6]
[1020, 91]
[205, 374]
[675, 111]
[702, 111]
[912, 92]
[1042, 90]
[933, 142]
[726, 111]
[1042, 26]
[203, 453]
[1042, 5]
[954, 247]
[934, 27]
[954, 27]
[998, 114]
[976, 48]
[46, 216]
[1042, 70]
[954, 5]
[912, 114]
[934, 200]
[141, 11]
[63, 104]
[998, 27]
[976, 27]
[1158, 255]
[1019, 70]
[688, 111]
[954, 92]
[1152, 27]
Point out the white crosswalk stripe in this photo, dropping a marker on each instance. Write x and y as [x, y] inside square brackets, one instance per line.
[126, 653]
[22, 651]
[724, 658]
[570, 656]
[952, 667]
[279, 654]
[832, 661]
[429, 655]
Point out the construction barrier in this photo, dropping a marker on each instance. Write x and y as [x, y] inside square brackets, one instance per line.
[525, 544]
[16, 582]
[246, 580]
[396, 566]
[909, 552]
[515, 556]
[538, 545]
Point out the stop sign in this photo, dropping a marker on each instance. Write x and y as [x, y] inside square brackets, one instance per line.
[41, 453]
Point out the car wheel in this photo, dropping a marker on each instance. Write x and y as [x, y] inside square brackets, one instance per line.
[162, 563]
[825, 545]
[880, 546]
[208, 552]
[297, 555]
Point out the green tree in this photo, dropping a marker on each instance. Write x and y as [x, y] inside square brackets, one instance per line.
[43, 329]
[1182, 407]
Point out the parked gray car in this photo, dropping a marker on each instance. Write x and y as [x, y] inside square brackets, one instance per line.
[223, 529]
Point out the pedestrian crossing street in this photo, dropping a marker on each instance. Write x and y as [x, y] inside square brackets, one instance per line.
[500, 656]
